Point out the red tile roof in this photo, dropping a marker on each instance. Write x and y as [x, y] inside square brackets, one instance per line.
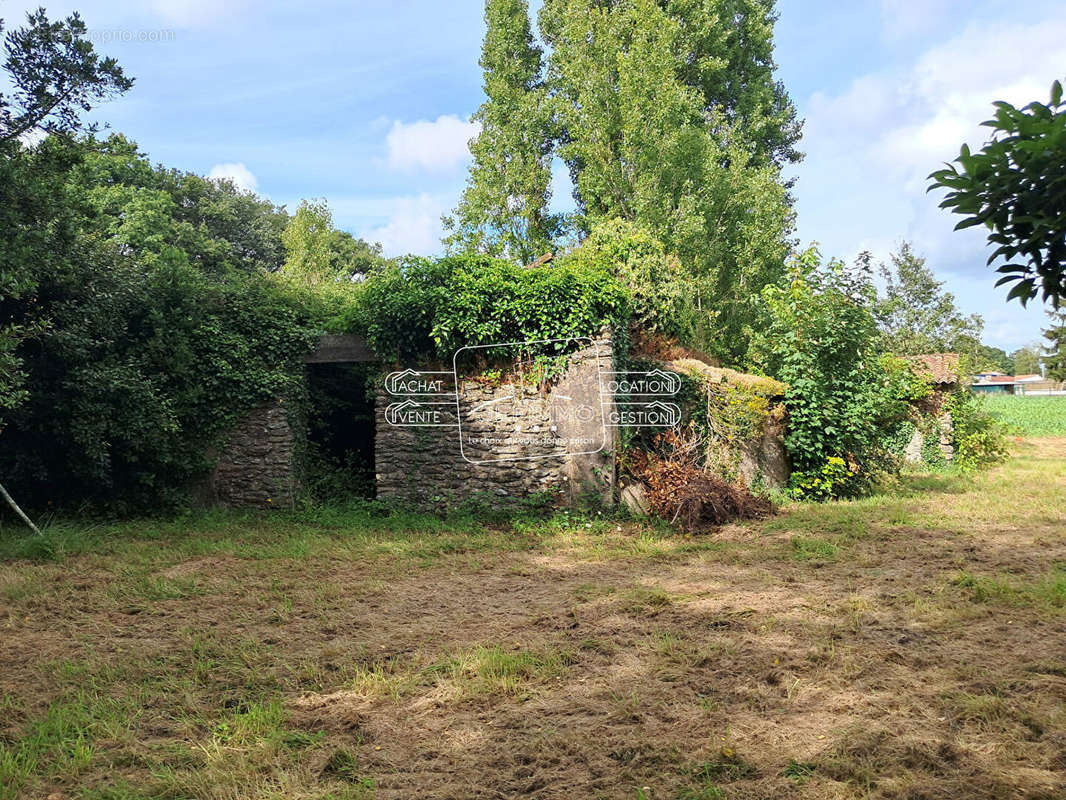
[997, 379]
[938, 367]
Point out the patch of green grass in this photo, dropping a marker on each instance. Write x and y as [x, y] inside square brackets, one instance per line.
[1048, 592]
[980, 708]
[705, 791]
[18, 585]
[356, 531]
[806, 549]
[646, 600]
[154, 588]
[1029, 415]
[727, 766]
[799, 771]
[496, 670]
[392, 678]
[60, 743]
[345, 765]
[591, 591]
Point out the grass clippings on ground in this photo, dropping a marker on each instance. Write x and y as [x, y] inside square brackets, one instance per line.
[908, 645]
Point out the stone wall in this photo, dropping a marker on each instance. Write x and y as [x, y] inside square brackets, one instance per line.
[746, 420]
[504, 441]
[257, 465]
[763, 460]
[943, 428]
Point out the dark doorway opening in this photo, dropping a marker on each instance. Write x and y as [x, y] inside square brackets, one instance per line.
[340, 431]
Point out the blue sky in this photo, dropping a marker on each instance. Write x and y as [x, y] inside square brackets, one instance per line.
[365, 104]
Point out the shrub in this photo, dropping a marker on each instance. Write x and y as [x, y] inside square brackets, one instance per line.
[140, 371]
[424, 309]
[835, 478]
[844, 400]
[980, 439]
[662, 295]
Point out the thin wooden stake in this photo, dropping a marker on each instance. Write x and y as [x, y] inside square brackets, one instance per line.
[11, 502]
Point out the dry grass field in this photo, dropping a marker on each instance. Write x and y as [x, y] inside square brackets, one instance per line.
[910, 645]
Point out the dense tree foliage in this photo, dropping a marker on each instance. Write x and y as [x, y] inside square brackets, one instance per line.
[504, 208]
[1016, 187]
[53, 74]
[1025, 360]
[667, 115]
[996, 359]
[844, 396]
[318, 253]
[426, 308]
[154, 213]
[657, 285]
[140, 371]
[156, 323]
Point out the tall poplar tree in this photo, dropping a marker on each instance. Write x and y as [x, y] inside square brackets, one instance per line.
[669, 116]
[504, 208]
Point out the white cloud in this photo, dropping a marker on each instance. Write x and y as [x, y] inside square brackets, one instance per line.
[871, 147]
[242, 177]
[413, 226]
[435, 146]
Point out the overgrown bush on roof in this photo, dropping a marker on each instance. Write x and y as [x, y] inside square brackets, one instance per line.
[423, 309]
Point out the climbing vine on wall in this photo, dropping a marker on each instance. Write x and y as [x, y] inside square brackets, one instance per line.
[423, 309]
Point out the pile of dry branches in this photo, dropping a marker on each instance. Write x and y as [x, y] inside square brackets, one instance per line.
[681, 491]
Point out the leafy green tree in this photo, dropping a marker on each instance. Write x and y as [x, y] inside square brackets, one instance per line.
[995, 359]
[1026, 360]
[504, 208]
[917, 316]
[307, 243]
[156, 212]
[56, 77]
[654, 132]
[843, 397]
[354, 258]
[1055, 349]
[157, 324]
[1014, 186]
[727, 55]
[317, 253]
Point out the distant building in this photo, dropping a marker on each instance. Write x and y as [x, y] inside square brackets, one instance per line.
[998, 383]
